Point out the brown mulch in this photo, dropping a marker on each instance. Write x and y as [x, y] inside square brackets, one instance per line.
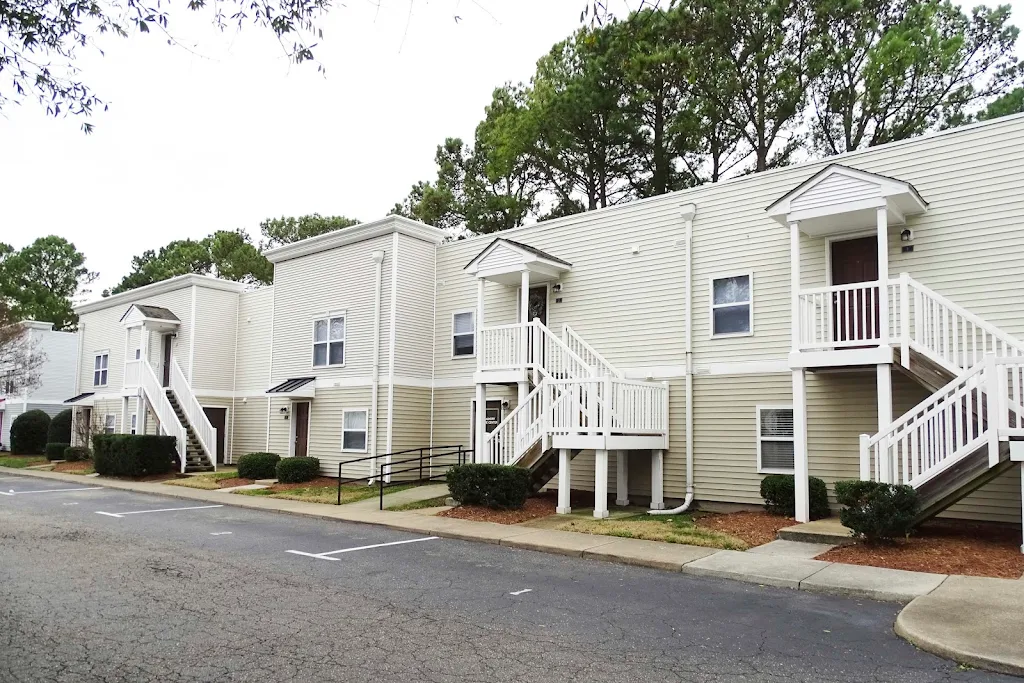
[319, 481]
[945, 547]
[234, 481]
[535, 508]
[755, 528]
[79, 466]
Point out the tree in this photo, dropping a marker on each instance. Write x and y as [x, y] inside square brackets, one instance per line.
[41, 40]
[285, 230]
[41, 280]
[234, 257]
[1010, 103]
[20, 358]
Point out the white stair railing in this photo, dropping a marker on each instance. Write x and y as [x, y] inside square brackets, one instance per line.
[518, 431]
[500, 347]
[194, 413]
[588, 353]
[163, 409]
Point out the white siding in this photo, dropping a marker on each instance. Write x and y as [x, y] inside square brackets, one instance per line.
[836, 189]
[215, 324]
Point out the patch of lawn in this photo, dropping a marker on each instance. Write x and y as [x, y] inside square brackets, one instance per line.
[207, 482]
[420, 504]
[668, 529]
[20, 461]
[327, 495]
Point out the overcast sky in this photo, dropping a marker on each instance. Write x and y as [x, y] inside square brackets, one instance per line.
[225, 132]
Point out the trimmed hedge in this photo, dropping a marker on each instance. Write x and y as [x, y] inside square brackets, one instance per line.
[60, 428]
[779, 493]
[501, 487]
[877, 511]
[258, 465]
[76, 453]
[28, 433]
[299, 469]
[55, 451]
[133, 455]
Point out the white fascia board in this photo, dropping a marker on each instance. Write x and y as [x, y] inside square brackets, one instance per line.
[356, 233]
[162, 287]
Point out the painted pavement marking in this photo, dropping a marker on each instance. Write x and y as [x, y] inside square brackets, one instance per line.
[327, 555]
[12, 492]
[143, 512]
[525, 590]
[220, 533]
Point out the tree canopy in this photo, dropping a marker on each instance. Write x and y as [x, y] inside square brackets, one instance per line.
[42, 280]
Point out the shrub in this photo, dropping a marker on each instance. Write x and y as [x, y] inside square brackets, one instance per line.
[501, 487]
[779, 493]
[295, 470]
[76, 453]
[60, 428]
[877, 511]
[55, 451]
[258, 465]
[28, 433]
[134, 455]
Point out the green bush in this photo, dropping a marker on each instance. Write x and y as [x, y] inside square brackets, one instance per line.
[28, 433]
[258, 465]
[877, 511]
[76, 453]
[134, 455]
[60, 428]
[55, 451]
[500, 487]
[779, 493]
[295, 470]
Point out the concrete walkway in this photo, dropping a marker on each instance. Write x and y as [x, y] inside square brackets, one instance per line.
[945, 613]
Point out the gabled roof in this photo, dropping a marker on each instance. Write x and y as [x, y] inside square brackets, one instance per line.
[152, 312]
[518, 246]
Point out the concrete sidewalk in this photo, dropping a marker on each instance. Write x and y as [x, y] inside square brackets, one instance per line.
[935, 619]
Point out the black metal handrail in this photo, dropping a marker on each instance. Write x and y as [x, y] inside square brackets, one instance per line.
[423, 453]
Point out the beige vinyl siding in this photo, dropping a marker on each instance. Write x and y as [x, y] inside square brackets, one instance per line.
[216, 316]
[248, 423]
[835, 189]
[255, 318]
[414, 352]
[452, 416]
[410, 426]
[278, 437]
[325, 421]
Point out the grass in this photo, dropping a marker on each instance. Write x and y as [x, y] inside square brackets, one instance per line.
[327, 495]
[20, 461]
[420, 504]
[207, 482]
[669, 529]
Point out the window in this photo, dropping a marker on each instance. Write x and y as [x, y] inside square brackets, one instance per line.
[463, 334]
[353, 430]
[329, 341]
[10, 388]
[138, 354]
[99, 370]
[135, 423]
[732, 306]
[109, 423]
[775, 449]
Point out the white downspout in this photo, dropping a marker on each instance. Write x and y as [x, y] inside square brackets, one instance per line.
[378, 260]
[688, 211]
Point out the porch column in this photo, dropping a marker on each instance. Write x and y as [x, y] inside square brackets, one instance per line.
[524, 341]
[479, 317]
[657, 480]
[124, 415]
[883, 276]
[803, 512]
[480, 430]
[794, 282]
[564, 482]
[883, 372]
[74, 423]
[1022, 503]
[621, 478]
[601, 484]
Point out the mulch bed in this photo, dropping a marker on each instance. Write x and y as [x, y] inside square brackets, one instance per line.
[754, 528]
[944, 547]
[319, 481]
[80, 466]
[535, 508]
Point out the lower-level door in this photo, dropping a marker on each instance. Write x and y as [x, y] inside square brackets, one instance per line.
[300, 429]
[218, 417]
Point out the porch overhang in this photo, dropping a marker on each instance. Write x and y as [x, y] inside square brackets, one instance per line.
[504, 261]
[85, 400]
[155, 318]
[841, 200]
[296, 387]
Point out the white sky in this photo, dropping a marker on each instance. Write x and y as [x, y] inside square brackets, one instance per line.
[227, 133]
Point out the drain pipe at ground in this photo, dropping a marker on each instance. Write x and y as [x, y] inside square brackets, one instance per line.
[688, 212]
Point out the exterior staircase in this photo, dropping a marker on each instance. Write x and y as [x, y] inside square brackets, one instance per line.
[196, 458]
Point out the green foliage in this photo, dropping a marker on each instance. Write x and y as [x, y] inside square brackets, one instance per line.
[285, 230]
[877, 511]
[1010, 103]
[779, 494]
[299, 469]
[76, 453]
[133, 455]
[258, 465]
[60, 428]
[500, 487]
[55, 451]
[28, 433]
[41, 280]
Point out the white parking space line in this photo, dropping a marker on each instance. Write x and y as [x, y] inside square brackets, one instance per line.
[143, 512]
[12, 492]
[220, 533]
[327, 555]
[525, 590]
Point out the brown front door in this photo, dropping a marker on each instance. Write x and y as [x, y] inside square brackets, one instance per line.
[855, 313]
[166, 351]
[218, 417]
[537, 304]
[300, 414]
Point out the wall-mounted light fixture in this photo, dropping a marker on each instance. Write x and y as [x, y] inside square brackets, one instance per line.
[557, 287]
[284, 413]
[906, 235]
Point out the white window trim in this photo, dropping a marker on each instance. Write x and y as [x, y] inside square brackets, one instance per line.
[95, 355]
[366, 432]
[105, 416]
[344, 340]
[467, 355]
[712, 306]
[758, 410]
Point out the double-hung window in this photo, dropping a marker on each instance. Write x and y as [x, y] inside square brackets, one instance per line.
[353, 430]
[99, 370]
[463, 334]
[329, 341]
[775, 449]
[732, 305]
[109, 423]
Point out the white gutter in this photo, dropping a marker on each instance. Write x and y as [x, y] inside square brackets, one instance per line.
[378, 260]
[687, 211]
[192, 339]
[391, 344]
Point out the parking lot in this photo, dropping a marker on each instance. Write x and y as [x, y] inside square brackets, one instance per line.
[102, 584]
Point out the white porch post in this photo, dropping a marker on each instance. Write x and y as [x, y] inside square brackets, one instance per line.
[883, 372]
[600, 484]
[794, 282]
[657, 480]
[524, 341]
[124, 415]
[564, 482]
[1022, 504]
[622, 478]
[480, 430]
[479, 316]
[803, 512]
[883, 276]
